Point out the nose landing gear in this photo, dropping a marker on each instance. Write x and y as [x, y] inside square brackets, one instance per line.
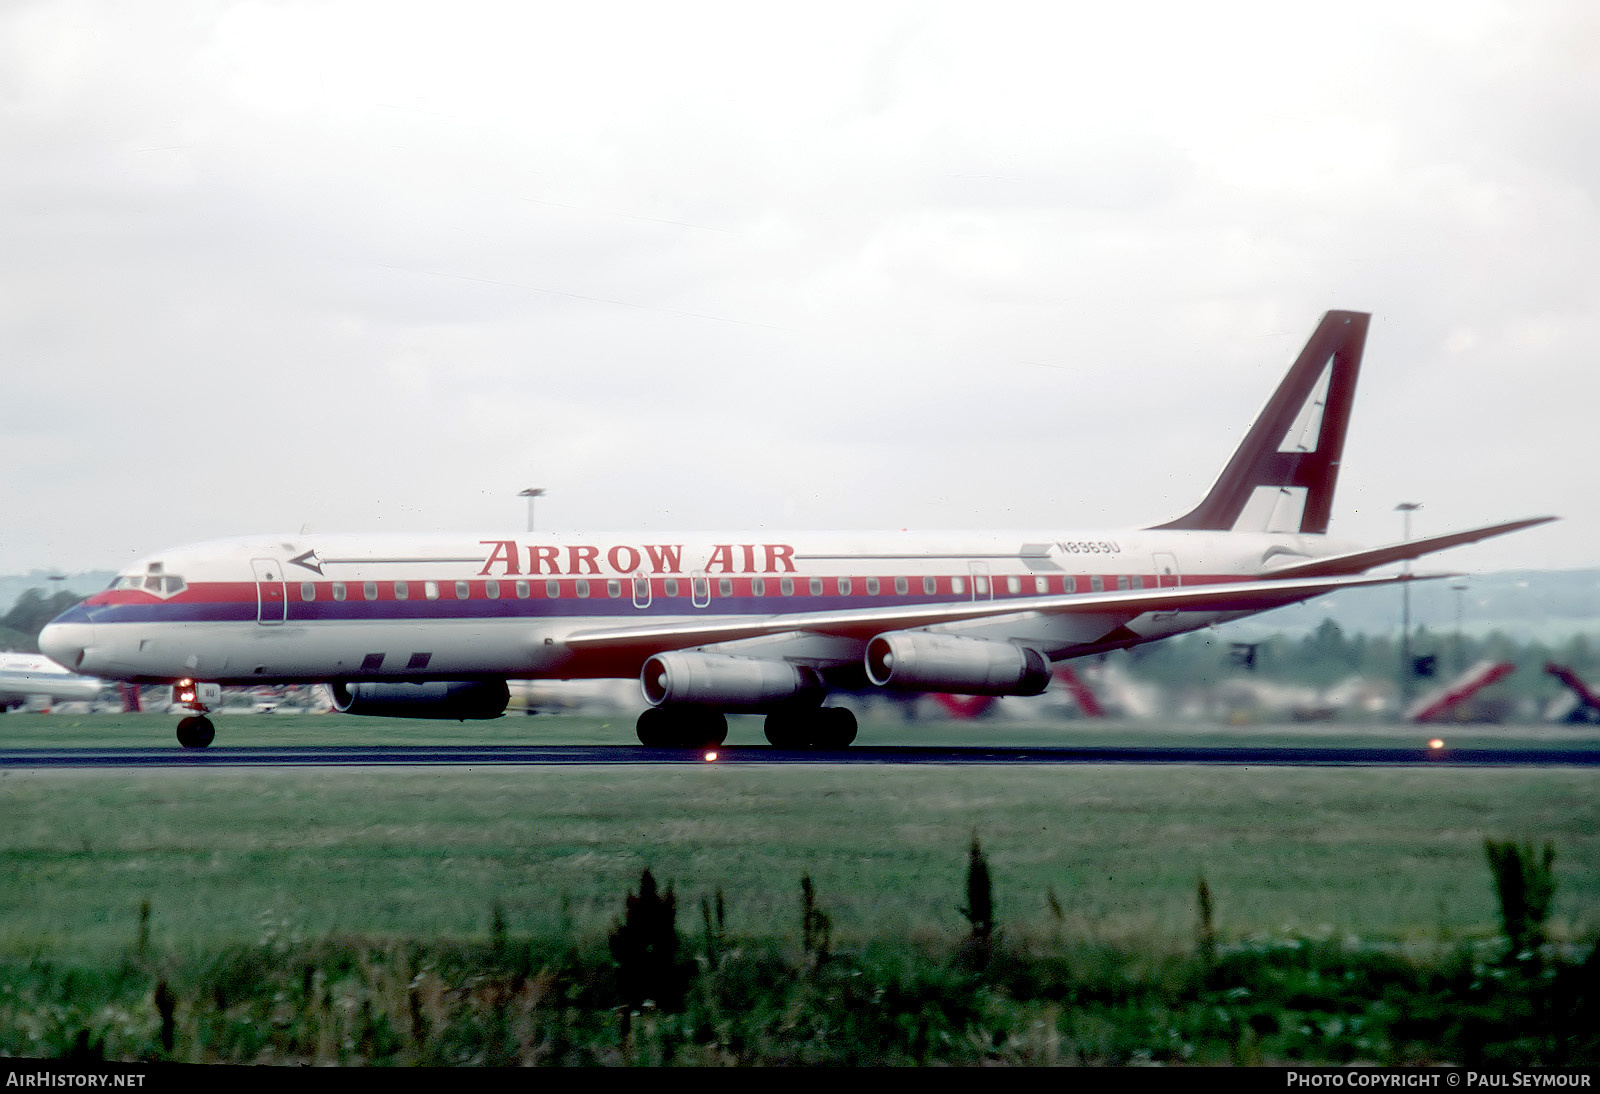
[196, 731]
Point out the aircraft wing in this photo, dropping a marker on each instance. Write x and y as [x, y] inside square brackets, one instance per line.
[866, 622]
[1359, 561]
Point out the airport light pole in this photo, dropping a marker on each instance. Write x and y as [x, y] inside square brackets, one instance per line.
[530, 493]
[1406, 508]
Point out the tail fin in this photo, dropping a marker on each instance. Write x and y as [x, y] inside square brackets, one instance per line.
[1282, 477]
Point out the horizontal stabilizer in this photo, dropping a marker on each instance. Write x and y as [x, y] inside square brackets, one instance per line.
[1360, 561]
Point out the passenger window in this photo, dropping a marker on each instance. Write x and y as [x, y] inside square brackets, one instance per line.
[522, 590]
[900, 586]
[670, 586]
[491, 589]
[430, 589]
[1097, 584]
[786, 586]
[816, 586]
[583, 588]
[463, 590]
[844, 586]
[369, 589]
[613, 587]
[1122, 581]
[552, 589]
[338, 590]
[308, 590]
[724, 587]
[758, 586]
[1138, 581]
[930, 585]
[402, 591]
[1041, 584]
[958, 585]
[1069, 584]
[872, 586]
[1013, 585]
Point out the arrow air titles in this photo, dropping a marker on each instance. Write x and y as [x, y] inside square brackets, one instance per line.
[508, 558]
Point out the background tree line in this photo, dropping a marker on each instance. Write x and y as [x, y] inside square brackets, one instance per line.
[1327, 656]
[20, 627]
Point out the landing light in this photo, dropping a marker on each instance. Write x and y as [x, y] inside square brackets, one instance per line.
[711, 757]
[1436, 743]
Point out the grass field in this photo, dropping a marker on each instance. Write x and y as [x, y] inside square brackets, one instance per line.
[230, 855]
[461, 915]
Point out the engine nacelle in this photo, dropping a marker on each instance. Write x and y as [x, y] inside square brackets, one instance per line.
[458, 699]
[728, 683]
[946, 662]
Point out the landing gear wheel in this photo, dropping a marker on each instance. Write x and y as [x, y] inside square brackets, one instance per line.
[824, 728]
[835, 728]
[196, 732]
[654, 728]
[786, 729]
[661, 727]
[708, 729]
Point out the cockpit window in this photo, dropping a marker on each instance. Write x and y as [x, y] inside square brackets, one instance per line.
[157, 584]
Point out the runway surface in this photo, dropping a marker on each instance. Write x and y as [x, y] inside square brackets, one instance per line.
[562, 755]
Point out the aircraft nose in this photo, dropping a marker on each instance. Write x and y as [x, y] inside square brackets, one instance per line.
[67, 638]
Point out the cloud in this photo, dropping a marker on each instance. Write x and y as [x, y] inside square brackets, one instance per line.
[383, 265]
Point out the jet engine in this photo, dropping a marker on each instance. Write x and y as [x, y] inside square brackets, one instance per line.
[947, 662]
[459, 699]
[728, 683]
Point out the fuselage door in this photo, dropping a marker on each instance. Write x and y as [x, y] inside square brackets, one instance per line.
[271, 605]
[1168, 576]
[982, 587]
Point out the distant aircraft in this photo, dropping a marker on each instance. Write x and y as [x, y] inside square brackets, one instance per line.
[767, 623]
[24, 676]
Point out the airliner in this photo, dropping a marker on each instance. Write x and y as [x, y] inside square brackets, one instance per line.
[712, 624]
[25, 676]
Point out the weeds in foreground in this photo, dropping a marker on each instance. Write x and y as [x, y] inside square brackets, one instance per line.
[544, 1001]
[1525, 884]
[970, 999]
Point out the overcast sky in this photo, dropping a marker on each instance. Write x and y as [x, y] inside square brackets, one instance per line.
[380, 266]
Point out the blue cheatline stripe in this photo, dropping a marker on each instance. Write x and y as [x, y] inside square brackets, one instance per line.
[530, 609]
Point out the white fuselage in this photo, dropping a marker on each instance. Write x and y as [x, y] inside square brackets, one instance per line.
[24, 676]
[314, 608]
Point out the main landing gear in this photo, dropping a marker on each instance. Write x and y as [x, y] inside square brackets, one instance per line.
[822, 728]
[682, 727]
[698, 727]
